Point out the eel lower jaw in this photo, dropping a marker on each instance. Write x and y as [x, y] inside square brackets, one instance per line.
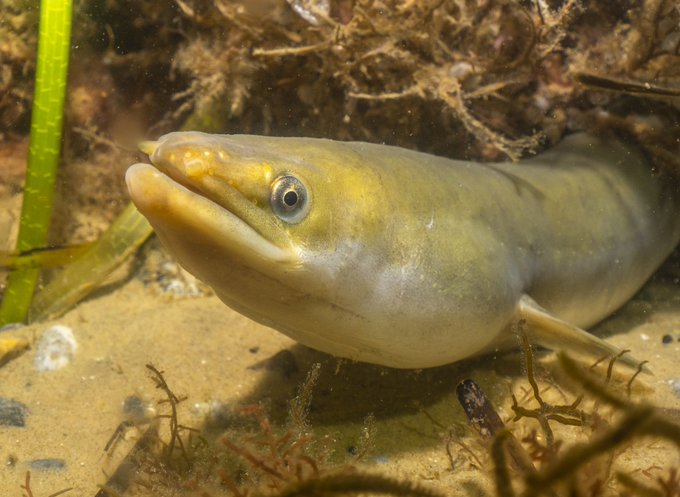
[181, 215]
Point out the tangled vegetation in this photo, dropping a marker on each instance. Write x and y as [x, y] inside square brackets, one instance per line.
[580, 448]
[610, 423]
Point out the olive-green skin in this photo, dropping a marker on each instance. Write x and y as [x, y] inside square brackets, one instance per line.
[402, 258]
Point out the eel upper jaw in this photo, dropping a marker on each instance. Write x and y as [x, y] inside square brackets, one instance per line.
[190, 162]
[180, 213]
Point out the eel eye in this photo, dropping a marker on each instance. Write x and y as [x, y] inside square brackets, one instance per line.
[289, 199]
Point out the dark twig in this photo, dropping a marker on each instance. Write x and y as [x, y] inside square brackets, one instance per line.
[173, 400]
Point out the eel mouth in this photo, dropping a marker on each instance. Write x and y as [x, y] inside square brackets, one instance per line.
[182, 198]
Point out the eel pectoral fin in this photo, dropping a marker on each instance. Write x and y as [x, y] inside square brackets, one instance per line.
[555, 334]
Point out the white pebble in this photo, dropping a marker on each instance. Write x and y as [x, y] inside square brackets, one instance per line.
[56, 348]
[309, 10]
[675, 385]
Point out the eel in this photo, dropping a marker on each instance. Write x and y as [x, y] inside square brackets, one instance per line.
[395, 257]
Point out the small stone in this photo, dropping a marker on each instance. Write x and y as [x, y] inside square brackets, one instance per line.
[48, 464]
[216, 415]
[56, 349]
[12, 413]
[675, 385]
[666, 339]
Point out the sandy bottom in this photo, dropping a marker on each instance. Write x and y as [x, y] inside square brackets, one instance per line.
[213, 355]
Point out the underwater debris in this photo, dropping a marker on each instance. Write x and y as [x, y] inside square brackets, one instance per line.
[630, 87]
[152, 456]
[255, 457]
[137, 413]
[661, 425]
[479, 410]
[126, 471]
[12, 413]
[500, 72]
[299, 406]
[55, 349]
[11, 348]
[367, 439]
[637, 420]
[176, 441]
[576, 457]
[291, 471]
[50, 464]
[486, 421]
[280, 459]
[586, 468]
[26, 487]
[564, 414]
[311, 67]
[252, 457]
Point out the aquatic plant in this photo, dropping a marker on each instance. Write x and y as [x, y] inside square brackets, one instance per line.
[42, 258]
[44, 150]
[92, 262]
[488, 76]
[26, 487]
[248, 455]
[122, 239]
[637, 420]
[541, 465]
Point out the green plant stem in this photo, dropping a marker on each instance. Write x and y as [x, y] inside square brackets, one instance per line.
[44, 150]
[80, 277]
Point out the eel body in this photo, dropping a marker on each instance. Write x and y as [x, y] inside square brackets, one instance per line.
[404, 259]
